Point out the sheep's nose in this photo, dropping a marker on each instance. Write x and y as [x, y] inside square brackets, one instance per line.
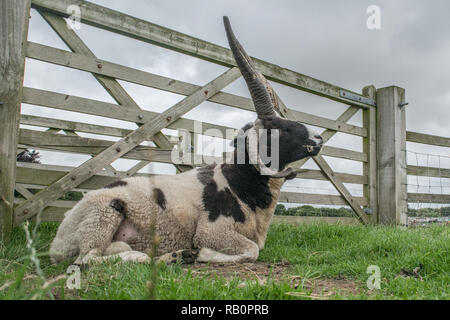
[319, 137]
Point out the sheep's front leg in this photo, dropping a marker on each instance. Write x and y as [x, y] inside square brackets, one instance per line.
[218, 244]
[116, 250]
[248, 253]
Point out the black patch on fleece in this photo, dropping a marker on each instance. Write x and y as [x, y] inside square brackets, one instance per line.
[248, 184]
[118, 183]
[119, 205]
[160, 198]
[206, 174]
[218, 202]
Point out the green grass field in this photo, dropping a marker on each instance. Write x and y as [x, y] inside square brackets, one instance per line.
[299, 262]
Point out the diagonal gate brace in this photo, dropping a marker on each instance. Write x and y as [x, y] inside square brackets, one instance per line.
[30, 207]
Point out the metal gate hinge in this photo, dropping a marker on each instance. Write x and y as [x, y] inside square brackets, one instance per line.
[356, 97]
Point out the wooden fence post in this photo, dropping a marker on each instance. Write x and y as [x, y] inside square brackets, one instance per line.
[369, 116]
[391, 156]
[14, 17]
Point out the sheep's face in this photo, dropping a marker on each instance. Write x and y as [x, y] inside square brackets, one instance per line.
[296, 141]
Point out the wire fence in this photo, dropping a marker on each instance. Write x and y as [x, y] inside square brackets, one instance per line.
[431, 180]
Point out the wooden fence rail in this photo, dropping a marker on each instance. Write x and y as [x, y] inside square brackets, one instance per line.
[425, 171]
[382, 132]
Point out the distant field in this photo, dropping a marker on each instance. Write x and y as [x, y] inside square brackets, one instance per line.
[317, 261]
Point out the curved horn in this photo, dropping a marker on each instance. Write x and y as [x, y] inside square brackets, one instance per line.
[261, 91]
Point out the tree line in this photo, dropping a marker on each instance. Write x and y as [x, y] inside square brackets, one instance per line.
[308, 211]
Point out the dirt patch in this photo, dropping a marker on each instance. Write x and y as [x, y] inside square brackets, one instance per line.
[244, 271]
[316, 288]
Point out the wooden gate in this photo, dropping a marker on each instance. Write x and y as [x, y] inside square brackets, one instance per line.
[55, 181]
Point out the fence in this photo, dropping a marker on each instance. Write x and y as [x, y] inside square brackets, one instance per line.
[383, 131]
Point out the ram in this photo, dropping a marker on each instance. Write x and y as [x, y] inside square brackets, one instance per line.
[217, 213]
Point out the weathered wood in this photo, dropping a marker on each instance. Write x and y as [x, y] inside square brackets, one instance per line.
[99, 108]
[75, 144]
[288, 197]
[14, 16]
[74, 42]
[121, 147]
[336, 125]
[351, 201]
[67, 145]
[319, 175]
[313, 198]
[428, 198]
[428, 171]
[391, 156]
[41, 187]
[133, 170]
[111, 85]
[427, 139]
[23, 191]
[118, 22]
[82, 127]
[314, 220]
[55, 203]
[40, 174]
[72, 125]
[56, 214]
[369, 116]
[53, 213]
[90, 64]
[343, 153]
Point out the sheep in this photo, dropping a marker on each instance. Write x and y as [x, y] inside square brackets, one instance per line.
[216, 213]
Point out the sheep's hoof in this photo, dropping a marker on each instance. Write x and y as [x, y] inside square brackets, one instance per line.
[189, 256]
[186, 256]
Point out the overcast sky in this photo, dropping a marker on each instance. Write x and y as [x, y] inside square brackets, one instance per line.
[328, 40]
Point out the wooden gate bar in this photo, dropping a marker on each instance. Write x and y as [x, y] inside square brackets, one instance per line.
[104, 109]
[353, 203]
[427, 139]
[145, 132]
[33, 175]
[90, 146]
[127, 25]
[89, 64]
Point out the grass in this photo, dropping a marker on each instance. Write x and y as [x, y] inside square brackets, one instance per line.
[313, 254]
